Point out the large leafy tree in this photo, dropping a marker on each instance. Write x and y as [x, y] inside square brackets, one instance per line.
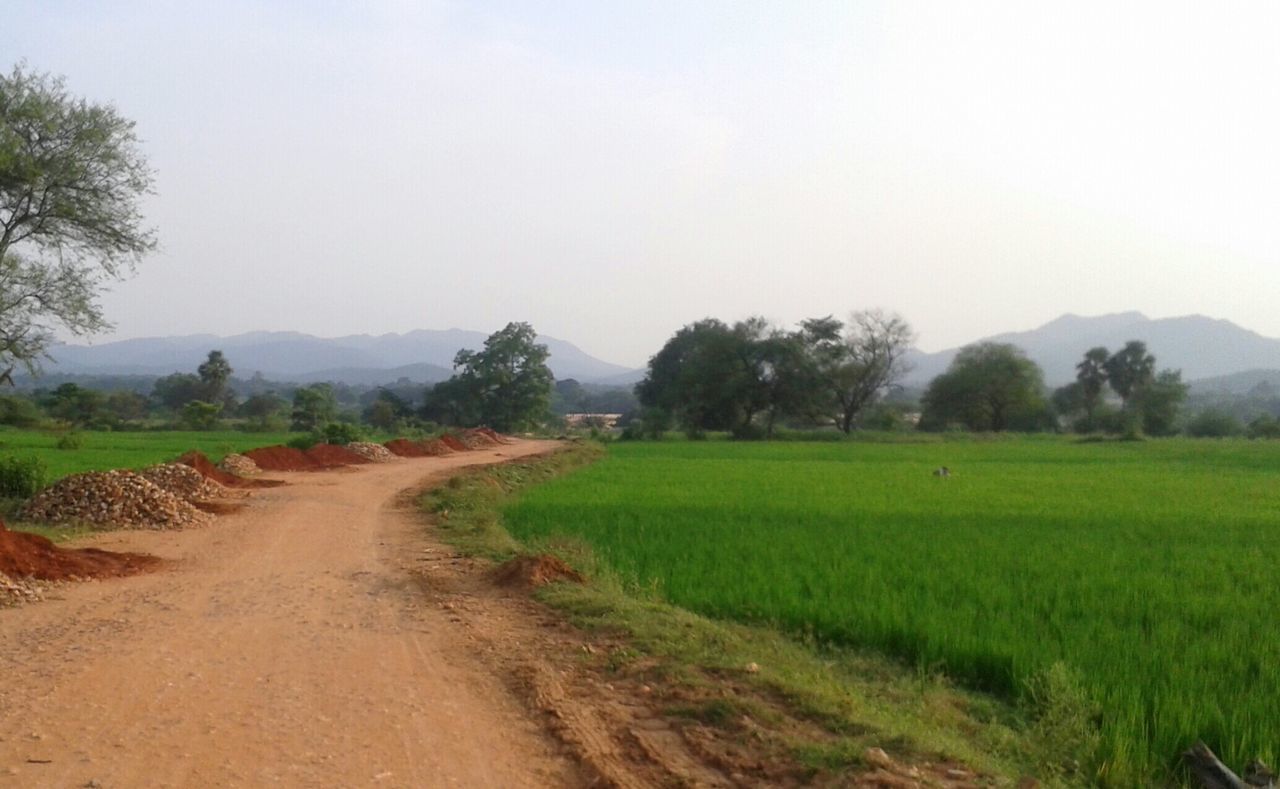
[176, 390]
[71, 183]
[988, 386]
[507, 384]
[1159, 401]
[313, 407]
[713, 376]
[1129, 370]
[854, 363]
[700, 377]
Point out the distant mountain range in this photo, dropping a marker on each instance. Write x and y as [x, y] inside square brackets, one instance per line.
[1203, 348]
[424, 356]
[1199, 346]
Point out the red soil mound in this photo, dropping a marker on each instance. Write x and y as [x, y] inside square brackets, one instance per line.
[529, 572]
[452, 442]
[330, 455]
[29, 555]
[281, 458]
[497, 437]
[435, 447]
[406, 448]
[199, 462]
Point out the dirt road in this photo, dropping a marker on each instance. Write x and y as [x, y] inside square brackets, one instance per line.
[287, 644]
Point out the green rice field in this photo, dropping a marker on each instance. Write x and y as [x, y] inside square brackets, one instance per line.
[101, 451]
[1148, 568]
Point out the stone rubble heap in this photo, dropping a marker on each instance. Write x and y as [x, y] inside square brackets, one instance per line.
[239, 464]
[16, 591]
[183, 482]
[375, 452]
[112, 498]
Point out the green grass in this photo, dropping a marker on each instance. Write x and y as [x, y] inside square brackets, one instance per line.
[1145, 569]
[101, 451]
[818, 707]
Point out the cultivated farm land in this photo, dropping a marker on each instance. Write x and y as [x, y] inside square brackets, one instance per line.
[104, 450]
[1147, 568]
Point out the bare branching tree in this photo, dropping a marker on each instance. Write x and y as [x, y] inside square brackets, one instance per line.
[856, 362]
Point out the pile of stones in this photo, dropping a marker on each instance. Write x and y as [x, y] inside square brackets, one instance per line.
[183, 482]
[375, 452]
[112, 498]
[239, 465]
[16, 591]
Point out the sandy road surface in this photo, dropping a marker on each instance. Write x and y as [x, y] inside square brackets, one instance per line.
[286, 645]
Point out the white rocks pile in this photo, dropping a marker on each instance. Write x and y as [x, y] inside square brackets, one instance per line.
[239, 465]
[16, 591]
[375, 452]
[183, 482]
[112, 498]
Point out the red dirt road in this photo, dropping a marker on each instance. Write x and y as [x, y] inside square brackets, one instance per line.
[287, 644]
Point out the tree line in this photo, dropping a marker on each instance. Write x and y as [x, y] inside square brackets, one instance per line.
[749, 378]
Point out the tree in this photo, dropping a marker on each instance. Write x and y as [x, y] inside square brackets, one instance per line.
[697, 378]
[199, 415]
[1128, 370]
[176, 390]
[71, 183]
[214, 373]
[74, 404]
[855, 363]
[261, 409]
[508, 382]
[712, 376]
[126, 406]
[313, 407]
[451, 402]
[1158, 402]
[1091, 376]
[988, 386]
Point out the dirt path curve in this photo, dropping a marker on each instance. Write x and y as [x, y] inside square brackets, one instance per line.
[287, 645]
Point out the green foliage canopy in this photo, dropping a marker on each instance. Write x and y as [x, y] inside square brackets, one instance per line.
[989, 386]
[71, 183]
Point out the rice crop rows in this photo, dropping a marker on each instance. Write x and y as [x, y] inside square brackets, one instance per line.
[101, 450]
[1148, 568]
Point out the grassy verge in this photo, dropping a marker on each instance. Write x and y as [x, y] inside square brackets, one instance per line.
[823, 705]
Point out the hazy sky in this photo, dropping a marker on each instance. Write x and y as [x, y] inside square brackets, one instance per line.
[610, 172]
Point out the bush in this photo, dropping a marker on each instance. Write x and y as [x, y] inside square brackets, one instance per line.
[19, 411]
[70, 440]
[1212, 423]
[22, 478]
[341, 433]
[305, 442]
[1265, 426]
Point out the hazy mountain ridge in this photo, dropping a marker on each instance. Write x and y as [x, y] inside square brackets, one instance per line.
[421, 355]
[1200, 346]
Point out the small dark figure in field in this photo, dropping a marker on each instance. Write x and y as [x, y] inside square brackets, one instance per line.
[942, 471]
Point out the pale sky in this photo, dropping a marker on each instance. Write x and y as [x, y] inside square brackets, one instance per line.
[610, 171]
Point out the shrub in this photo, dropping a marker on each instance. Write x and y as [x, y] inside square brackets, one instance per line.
[1065, 722]
[22, 478]
[1212, 423]
[70, 440]
[341, 433]
[1265, 426]
[18, 411]
[304, 442]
